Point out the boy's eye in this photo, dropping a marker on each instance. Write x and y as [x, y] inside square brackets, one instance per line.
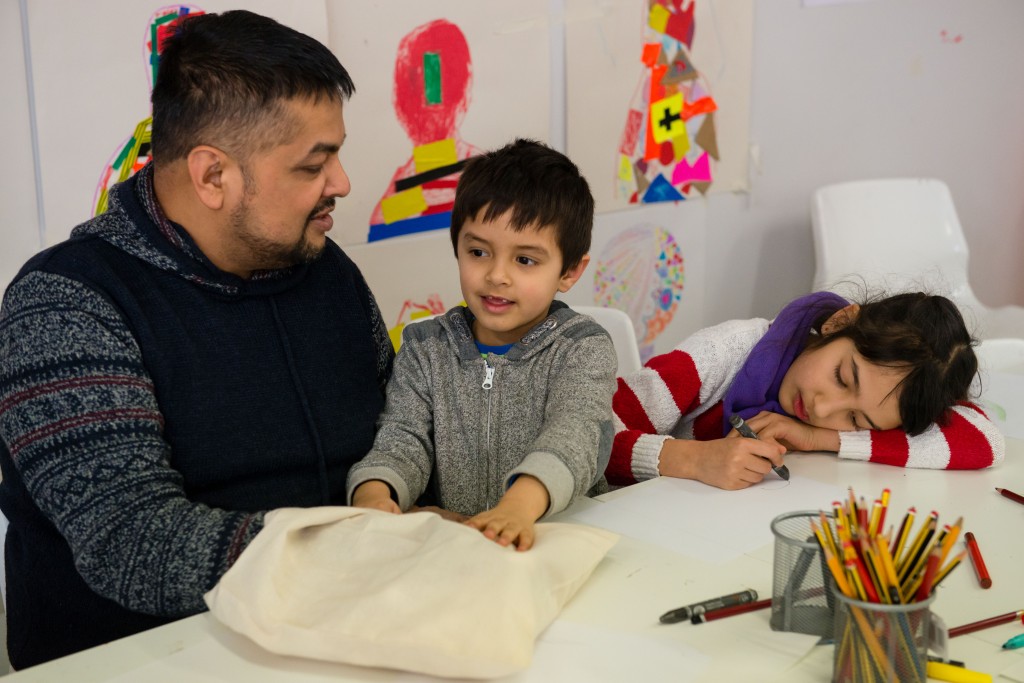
[313, 170]
[525, 261]
[476, 252]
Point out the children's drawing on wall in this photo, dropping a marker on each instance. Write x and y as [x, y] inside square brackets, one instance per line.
[433, 80]
[640, 271]
[133, 153]
[412, 311]
[436, 83]
[649, 262]
[669, 138]
[659, 97]
[87, 75]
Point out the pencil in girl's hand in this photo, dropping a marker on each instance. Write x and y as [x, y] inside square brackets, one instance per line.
[745, 431]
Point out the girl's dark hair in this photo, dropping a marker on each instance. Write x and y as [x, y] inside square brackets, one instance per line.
[924, 335]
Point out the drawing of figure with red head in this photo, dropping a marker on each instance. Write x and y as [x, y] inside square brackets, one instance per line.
[433, 74]
[133, 153]
[669, 138]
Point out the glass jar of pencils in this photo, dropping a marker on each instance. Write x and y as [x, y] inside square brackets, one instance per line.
[801, 600]
[881, 643]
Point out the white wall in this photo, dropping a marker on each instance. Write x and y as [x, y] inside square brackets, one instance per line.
[19, 226]
[871, 89]
[840, 92]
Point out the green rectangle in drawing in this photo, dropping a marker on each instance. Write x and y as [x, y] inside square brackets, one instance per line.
[432, 77]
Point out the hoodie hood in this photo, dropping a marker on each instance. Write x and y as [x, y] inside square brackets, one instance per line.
[135, 224]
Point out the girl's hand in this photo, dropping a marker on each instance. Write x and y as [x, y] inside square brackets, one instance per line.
[794, 434]
[730, 463]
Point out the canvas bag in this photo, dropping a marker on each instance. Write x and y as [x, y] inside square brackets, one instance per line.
[411, 592]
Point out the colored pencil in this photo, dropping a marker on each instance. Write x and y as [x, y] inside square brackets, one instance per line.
[1007, 493]
[985, 623]
[984, 580]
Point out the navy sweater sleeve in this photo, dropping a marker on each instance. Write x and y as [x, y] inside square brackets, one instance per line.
[84, 432]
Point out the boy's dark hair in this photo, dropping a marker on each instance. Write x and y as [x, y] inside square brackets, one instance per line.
[223, 79]
[539, 185]
[924, 335]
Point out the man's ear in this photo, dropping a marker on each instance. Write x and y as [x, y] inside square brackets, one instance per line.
[840, 319]
[573, 274]
[208, 169]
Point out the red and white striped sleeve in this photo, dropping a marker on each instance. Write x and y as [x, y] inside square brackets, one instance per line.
[661, 400]
[966, 440]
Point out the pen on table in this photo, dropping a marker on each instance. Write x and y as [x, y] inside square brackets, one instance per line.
[685, 613]
[744, 429]
[1007, 493]
[1014, 643]
[730, 611]
[985, 623]
[979, 564]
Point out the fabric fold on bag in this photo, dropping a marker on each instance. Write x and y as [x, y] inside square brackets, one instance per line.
[412, 592]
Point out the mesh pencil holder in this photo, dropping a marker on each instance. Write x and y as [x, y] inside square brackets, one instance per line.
[801, 599]
[883, 643]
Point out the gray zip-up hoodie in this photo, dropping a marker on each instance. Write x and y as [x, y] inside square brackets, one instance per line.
[466, 425]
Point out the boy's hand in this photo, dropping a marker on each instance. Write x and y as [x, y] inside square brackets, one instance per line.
[794, 434]
[511, 520]
[444, 514]
[730, 463]
[376, 495]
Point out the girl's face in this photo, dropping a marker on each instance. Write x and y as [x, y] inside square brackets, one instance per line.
[833, 386]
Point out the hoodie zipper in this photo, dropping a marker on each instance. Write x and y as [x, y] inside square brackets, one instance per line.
[487, 386]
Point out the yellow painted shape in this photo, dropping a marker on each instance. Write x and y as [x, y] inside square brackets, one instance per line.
[673, 107]
[435, 155]
[625, 169]
[403, 204]
[658, 18]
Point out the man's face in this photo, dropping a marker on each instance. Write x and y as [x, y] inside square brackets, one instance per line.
[284, 215]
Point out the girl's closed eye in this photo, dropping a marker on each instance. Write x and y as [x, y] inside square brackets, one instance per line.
[839, 377]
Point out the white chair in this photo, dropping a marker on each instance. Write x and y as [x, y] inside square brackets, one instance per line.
[900, 234]
[620, 327]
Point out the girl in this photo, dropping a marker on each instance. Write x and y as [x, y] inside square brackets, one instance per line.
[886, 381]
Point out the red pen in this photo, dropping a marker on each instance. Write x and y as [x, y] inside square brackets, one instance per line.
[730, 611]
[1011, 495]
[979, 564]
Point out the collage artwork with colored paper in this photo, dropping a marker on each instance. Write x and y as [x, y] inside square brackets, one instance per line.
[669, 137]
[133, 153]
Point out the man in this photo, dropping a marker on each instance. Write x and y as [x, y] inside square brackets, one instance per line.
[196, 356]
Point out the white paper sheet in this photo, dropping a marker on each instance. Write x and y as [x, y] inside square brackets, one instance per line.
[674, 514]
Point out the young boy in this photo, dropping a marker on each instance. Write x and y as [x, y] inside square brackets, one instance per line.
[501, 410]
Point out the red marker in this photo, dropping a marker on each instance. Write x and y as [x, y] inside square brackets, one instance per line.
[979, 563]
[1011, 495]
[730, 611]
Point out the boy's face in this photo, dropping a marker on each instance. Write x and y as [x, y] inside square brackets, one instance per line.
[509, 278]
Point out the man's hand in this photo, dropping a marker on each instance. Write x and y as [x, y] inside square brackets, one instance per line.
[511, 520]
[376, 495]
[794, 434]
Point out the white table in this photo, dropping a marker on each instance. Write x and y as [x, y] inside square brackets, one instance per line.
[638, 581]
